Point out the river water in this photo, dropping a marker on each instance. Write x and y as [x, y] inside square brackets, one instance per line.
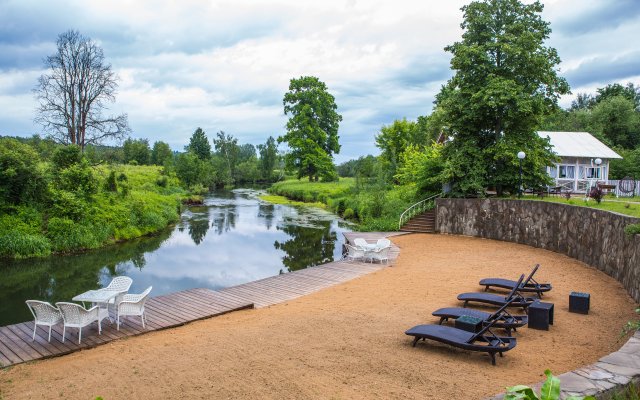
[232, 239]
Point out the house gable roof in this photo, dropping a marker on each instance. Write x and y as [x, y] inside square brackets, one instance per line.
[578, 144]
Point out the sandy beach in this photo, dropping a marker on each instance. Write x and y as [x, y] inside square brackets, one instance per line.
[348, 341]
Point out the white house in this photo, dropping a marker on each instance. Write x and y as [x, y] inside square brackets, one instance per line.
[584, 160]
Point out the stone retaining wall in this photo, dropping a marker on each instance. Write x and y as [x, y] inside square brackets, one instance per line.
[594, 237]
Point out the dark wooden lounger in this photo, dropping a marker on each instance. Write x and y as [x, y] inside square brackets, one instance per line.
[503, 320]
[514, 299]
[529, 286]
[483, 341]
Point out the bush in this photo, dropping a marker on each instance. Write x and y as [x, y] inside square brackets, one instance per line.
[66, 235]
[22, 179]
[596, 193]
[22, 245]
[66, 156]
[348, 213]
[632, 229]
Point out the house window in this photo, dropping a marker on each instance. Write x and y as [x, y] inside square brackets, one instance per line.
[553, 171]
[566, 171]
[593, 172]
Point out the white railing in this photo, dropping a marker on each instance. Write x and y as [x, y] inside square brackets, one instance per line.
[636, 192]
[415, 209]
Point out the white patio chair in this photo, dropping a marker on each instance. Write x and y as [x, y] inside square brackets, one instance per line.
[354, 253]
[119, 284]
[133, 304]
[379, 254]
[382, 243]
[361, 243]
[76, 316]
[43, 314]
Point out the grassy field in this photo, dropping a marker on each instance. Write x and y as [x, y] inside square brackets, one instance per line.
[627, 206]
[373, 207]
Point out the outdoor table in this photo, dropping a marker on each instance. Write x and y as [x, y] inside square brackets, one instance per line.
[99, 297]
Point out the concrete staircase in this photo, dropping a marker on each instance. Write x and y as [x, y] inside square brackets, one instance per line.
[423, 223]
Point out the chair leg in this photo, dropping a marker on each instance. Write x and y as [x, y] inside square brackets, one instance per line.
[99, 327]
[79, 335]
[64, 327]
[35, 326]
[49, 333]
[142, 318]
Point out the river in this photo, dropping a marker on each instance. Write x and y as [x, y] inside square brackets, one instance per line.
[231, 239]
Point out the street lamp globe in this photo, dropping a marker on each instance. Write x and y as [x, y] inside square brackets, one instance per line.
[521, 155]
[598, 161]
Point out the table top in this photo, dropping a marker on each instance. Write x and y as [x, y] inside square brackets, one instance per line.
[96, 296]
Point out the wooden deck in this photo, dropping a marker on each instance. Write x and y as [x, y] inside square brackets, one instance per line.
[16, 345]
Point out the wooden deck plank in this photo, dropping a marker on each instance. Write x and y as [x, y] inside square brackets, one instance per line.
[18, 348]
[38, 344]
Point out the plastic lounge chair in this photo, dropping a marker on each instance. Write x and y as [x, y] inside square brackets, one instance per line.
[133, 304]
[354, 253]
[500, 319]
[382, 243]
[76, 316]
[361, 243]
[514, 299]
[530, 285]
[483, 341]
[43, 314]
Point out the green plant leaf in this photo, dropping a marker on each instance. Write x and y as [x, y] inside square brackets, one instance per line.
[521, 392]
[550, 388]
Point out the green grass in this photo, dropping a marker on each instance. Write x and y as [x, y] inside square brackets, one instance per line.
[275, 199]
[373, 207]
[619, 205]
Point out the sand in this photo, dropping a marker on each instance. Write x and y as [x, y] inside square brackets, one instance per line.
[348, 341]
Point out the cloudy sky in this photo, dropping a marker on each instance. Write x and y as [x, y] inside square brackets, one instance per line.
[225, 65]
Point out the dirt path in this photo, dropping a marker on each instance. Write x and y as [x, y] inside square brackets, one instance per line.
[348, 342]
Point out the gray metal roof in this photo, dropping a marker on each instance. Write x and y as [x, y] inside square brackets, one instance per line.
[578, 144]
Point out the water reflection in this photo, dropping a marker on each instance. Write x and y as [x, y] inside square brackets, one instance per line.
[252, 240]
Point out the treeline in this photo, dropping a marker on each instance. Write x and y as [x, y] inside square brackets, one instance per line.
[612, 114]
[53, 200]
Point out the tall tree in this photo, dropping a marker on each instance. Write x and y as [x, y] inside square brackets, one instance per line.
[312, 129]
[393, 140]
[161, 153]
[268, 157]
[615, 119]
[137, 150]
[227, 148]
[505, 82]
[630, 92]
[199, 145]
[74, 93]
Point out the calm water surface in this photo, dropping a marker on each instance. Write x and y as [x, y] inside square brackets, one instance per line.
[232, 239]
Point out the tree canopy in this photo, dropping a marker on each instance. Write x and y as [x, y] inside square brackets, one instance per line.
[312, 129]
[505, 81]
[199, 145]
[74, 93]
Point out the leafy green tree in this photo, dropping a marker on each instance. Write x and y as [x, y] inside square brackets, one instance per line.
[161, 153]
[199, 145]
[393, 140]
[615, 119]
[246, 152]
[193, 171]
[268, 157]
[66, 156]
[583, 101]
[312, 129]
[421, 166]
[505, 82]
[22, 179]
[630, 92]
[137, 150]
[228, 150]
[629, 165]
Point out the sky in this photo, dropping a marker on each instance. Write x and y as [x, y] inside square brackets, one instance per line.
[226, 65]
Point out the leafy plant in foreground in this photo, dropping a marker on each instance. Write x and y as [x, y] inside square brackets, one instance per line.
[550, 390]
[631, 326]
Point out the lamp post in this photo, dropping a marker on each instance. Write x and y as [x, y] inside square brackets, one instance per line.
[521, 156]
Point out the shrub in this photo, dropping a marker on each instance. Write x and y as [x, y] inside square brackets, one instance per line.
[348, 213]
[22, 179]
[162, 181]
[110, 184]
[550, 390]
[596, 193]
[66, 235]
[632, 229]
[22, 245]
[66, 156]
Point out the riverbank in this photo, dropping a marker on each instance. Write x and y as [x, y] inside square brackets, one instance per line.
[348, 341]
[90, 207]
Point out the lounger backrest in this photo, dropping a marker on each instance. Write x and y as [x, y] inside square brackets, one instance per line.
[533, 272]
[513, 292]
[491, 322]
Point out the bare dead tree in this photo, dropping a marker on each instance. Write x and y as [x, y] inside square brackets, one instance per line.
[75, 91]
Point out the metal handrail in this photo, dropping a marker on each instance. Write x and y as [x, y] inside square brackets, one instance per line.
[415, 209]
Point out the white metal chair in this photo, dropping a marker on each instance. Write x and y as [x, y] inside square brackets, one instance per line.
[119, 284]
[382, 243]
[354, 253]
[380, 254]
[76, 316]
[361, 243]
[43, 314]
[133, 304]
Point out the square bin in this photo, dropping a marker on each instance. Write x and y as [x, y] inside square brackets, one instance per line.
[579, 302]
[467, 323]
